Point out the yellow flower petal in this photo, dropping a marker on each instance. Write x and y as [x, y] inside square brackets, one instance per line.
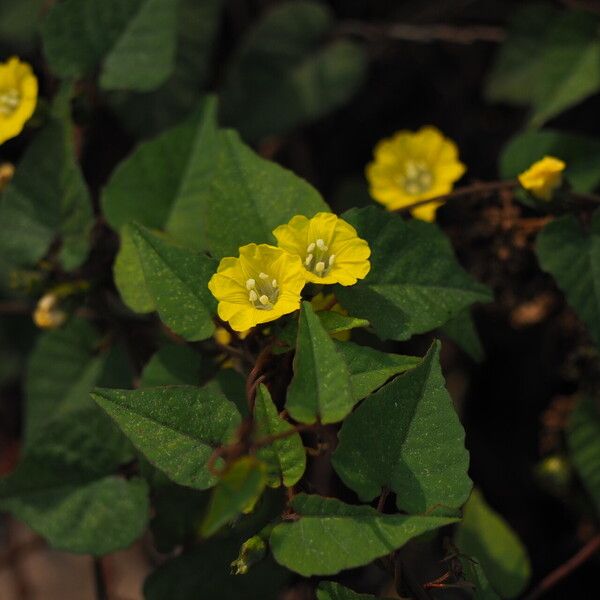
[259, 286]
[413, 166]
[18, 97]
[543, 177]
[329, 248]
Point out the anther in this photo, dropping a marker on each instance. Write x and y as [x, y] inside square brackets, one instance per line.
[263, 276]
[331, 260]
[264, 300]
[308, 260]
[321, 245]
[310, 248]
[320, 267]
[253, 296]
[250, 284]
[274, 283]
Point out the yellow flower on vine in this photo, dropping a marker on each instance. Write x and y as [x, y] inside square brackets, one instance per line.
[330, 248]
[543, 177]
[414, 166]
[259, 286]
[18, 97]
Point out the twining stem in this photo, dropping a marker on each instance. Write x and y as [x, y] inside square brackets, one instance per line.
[482, 187]
[565, 569]
[266, 441]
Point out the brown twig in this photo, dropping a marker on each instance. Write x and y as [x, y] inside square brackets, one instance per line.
[385, 492]
[565, 569]
[266, 441]
[424, 34]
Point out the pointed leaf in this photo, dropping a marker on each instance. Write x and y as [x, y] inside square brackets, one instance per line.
[211, 192]
[488, 539]
[173, 364]
[370, 369]
[285, 458]
[572, 256]
[177, 281]
[583, 437]
[407, 437]
[237, 491]
[415, 283]
[320, 389]
[323, 541]
[66, 490]
[132, 40]
[176, 428]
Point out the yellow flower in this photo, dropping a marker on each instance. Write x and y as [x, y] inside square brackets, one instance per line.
[414, 166]
[18, 97]
[328, 302]
[330, 248]
[47, 314]
[543, 177]
[261, 285]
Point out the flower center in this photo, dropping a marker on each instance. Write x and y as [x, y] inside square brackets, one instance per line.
[318, 260]
[417, 178]
[262, 291]
[9, 101]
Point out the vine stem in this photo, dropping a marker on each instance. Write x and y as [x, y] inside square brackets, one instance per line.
[565, 569]
[482, 187]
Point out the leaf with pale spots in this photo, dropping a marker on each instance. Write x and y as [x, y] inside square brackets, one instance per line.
[177, 428]
[177, 281]
[330, 536]
[415, 283]
[407, 437]
[320, 389]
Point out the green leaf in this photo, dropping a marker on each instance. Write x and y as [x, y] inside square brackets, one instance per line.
[145, 114]
[370, 369]
[285, 458]
[328, 590]
[19, 22]
[132, 41]
[176, 428]
[474, 574]
[47, 199]
[285, 73]
[205, 572]
[549, 61]
[462, 331]
[63, 368]
[583, 437]
[415, 283]
[177, 281]
[320, 389]
[323, 541]
[407, 437]
[237, 491]
[206, 188]
[332, 321]
[173, 364]
[572, 256]
[489, 540]
[66, 490]
[581, 153]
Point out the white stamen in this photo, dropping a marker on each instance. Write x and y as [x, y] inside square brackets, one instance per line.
[263, 276]
[274, 283]
[264, 300]
[311, 247]
[250, 284]
[320, 267]
[253, 296]
[308, 260]
[331, 260]
[321, 245]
